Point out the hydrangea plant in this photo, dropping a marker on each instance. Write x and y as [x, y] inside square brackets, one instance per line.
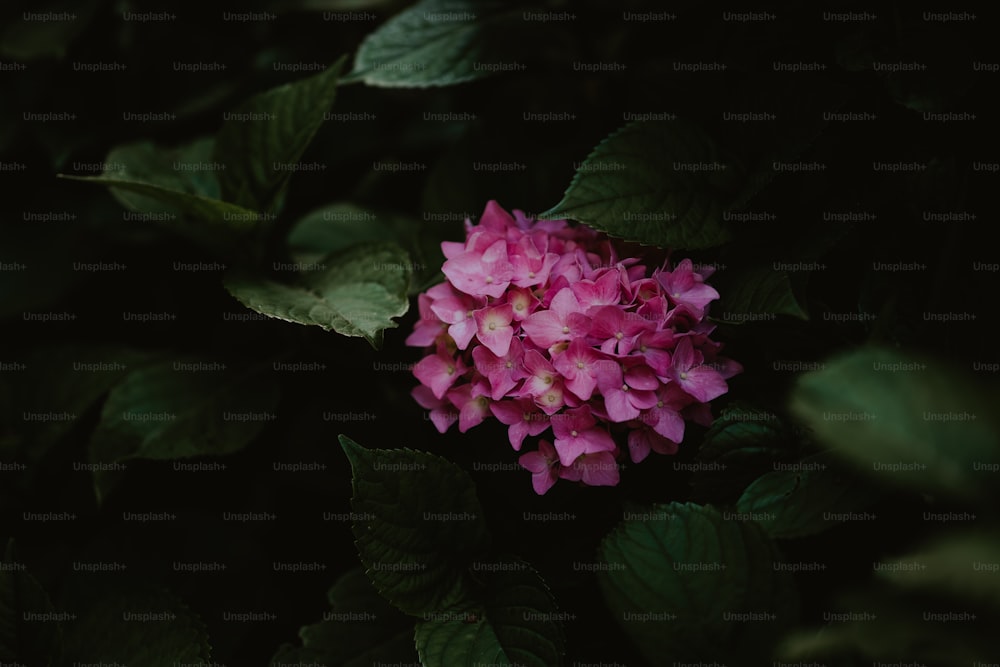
[542, 324]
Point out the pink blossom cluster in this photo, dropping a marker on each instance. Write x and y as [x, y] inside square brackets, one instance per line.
[541, 325]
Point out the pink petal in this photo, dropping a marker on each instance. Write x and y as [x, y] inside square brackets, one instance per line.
[702, 383]
[437, 372]
[544, 328]
[598, 469]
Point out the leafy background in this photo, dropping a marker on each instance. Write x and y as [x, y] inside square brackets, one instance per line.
[806, 308]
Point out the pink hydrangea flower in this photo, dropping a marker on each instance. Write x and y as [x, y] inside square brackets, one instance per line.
[542, 325]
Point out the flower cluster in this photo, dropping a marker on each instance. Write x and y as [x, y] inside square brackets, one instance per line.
[541, 325]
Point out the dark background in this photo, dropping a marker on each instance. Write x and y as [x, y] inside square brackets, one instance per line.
[353, 381]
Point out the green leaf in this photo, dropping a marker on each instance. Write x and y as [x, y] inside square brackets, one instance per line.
[515, 623]
[879, 624]
[742, 443]
[335, 228]
[70, 379]
[658, 183]
[29, 632]
[338, 227]
[679, 580]
[329, 5]
[757, 294]
[518, 624]
[804, 500]
[261, 141]
[171, 183]
[459, 636]
[160, 413]
[138, 626]
[355, 293]
[423, 525]
[362, 629]
[909, 420]
[964, 564]
[439, 43]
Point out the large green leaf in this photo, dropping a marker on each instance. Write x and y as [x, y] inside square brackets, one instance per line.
[168, 183]
[68, 380]
[518, 623]
[756, 294]
[137, 626]
[338, 227]
[361, 629]
[659, 183]
[936, 605]
[440, 43]
[159, 412]
[805, 498]
[422, 525]
[688, 582]
[965, 564]
[908, 420]
[262, 140]
[881, 624]
[355, 293]
[742, 443]
[30, 628]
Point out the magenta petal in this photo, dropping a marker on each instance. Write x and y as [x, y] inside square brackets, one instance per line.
[497, 341]
[569, 449]
[436, 372]
[473, 413]
[582, 386]
[638, 445]
[641, 377]
[703, 383]
[533, 461]
[543, 481]
[544, 328]
[684, 355]
[618, 407]
[669, 424]
[443, 418]
[642, 399]
[424, 333]
[495, 218]
[463, 332]
[599, 470]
